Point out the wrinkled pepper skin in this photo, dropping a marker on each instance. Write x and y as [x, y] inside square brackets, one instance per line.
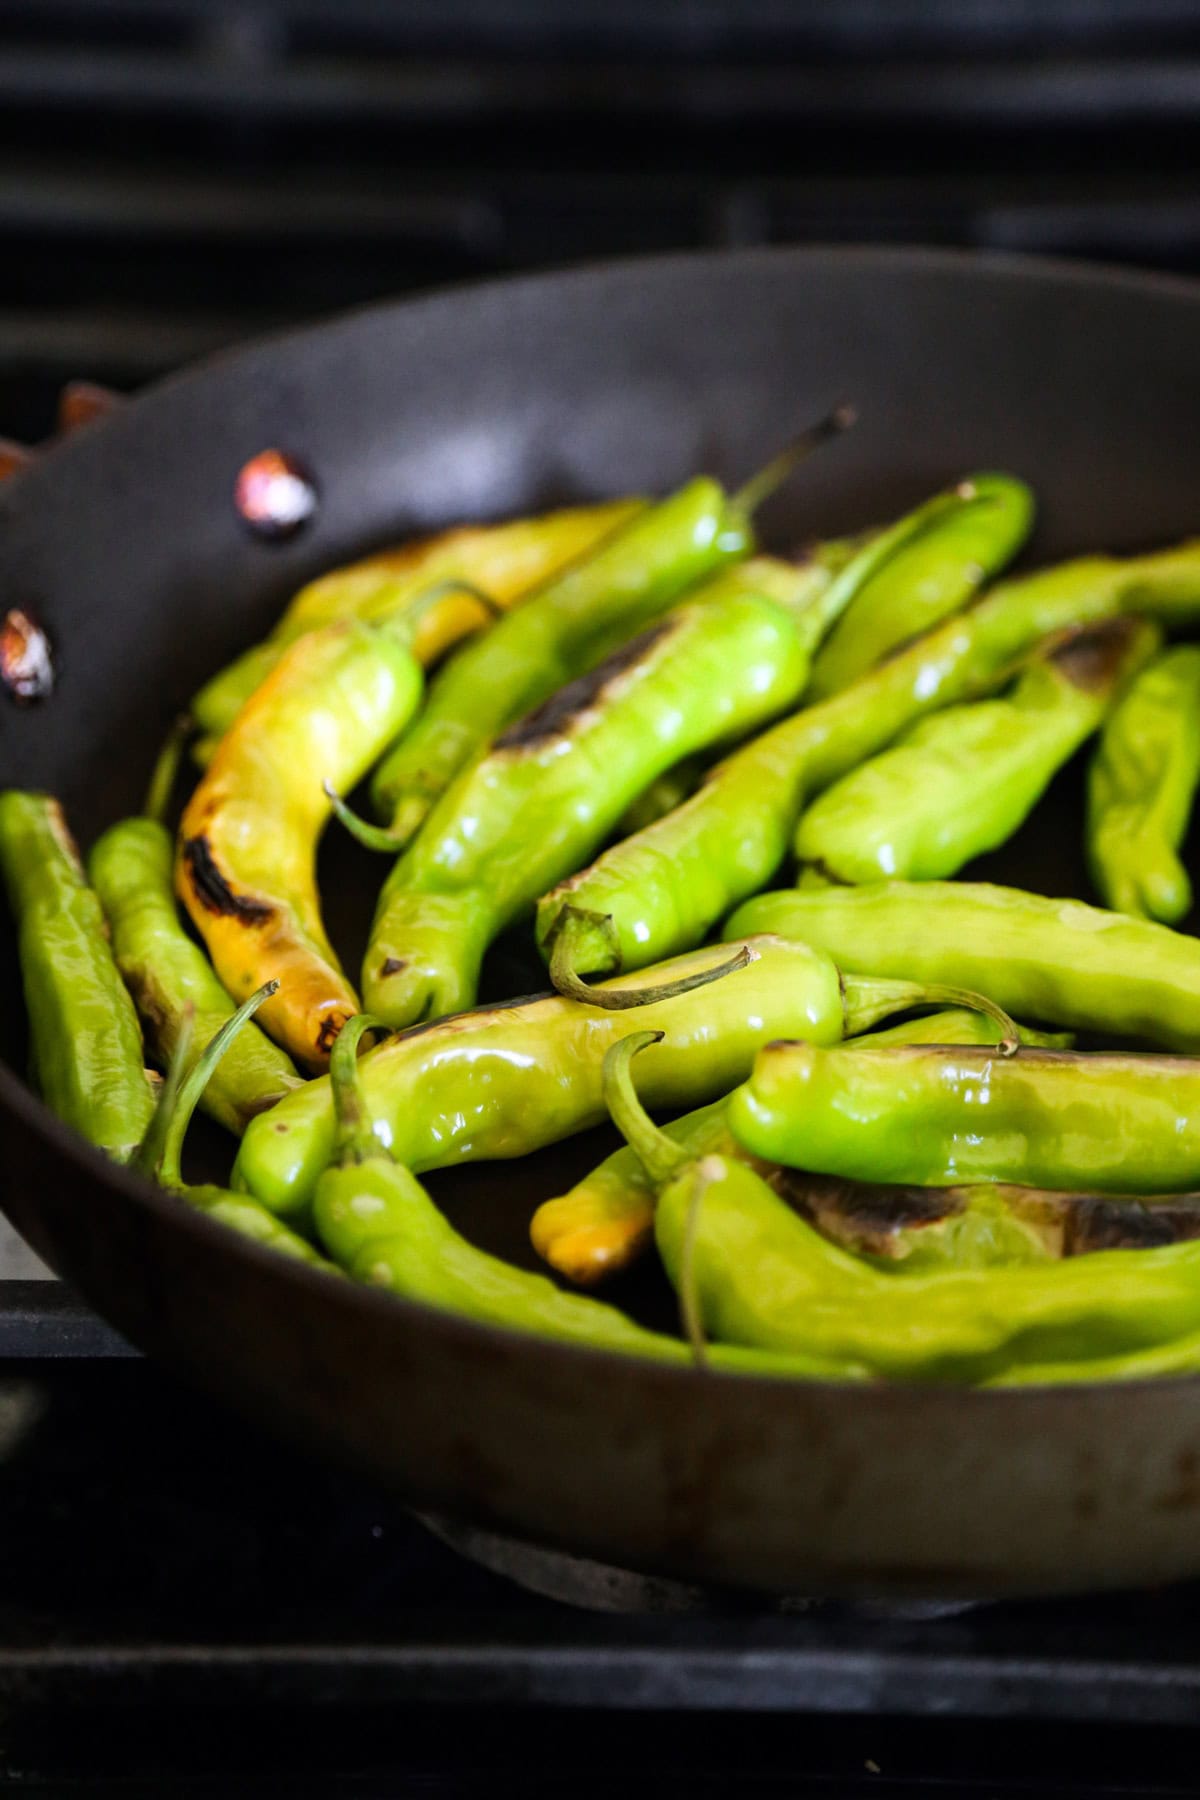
[505, 562]
[246, 866]
[1141, 787]
[85, 1043]
[663, 890]
[606, 1220]
[559, 633]
[509, 1079]
[130, 868]
[962, 782]
[552, 787]
[932, 1115]
[930, 578]
[1058, 961]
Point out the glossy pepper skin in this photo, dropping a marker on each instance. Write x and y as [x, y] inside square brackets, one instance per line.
[381, 1226]
[248, 839]
[750, 1270]
[166, 972]
[552, 787]
[505, 561]
[190, 1073]
[931, 578]
[929, 1115]
[559, 633]
[86, 1046]
[1059, 961]
[665, 889]
[606, 1220]
[962, 782]
[508, 1079]
[1141, 786]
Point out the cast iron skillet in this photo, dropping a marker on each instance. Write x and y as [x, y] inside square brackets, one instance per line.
[499, 399]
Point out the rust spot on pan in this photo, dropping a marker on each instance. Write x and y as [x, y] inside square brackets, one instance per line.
[214, 892]
[26, 663]
[557, 716]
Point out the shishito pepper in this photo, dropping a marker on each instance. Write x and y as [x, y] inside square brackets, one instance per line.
[749, 1270]
[932, 1114]
[505, 561]
[664, 889]
[927, 583]
[245, 869]
[570, 626]
[1141, 786]
[86, 1047]
[961, 783]
[189, 1074]
[1058, 961]
[607, 1219]
[508, 1079]
[552, 787]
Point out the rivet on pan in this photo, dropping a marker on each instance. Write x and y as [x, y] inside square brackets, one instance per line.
[26, 665]
[80, 402]
[275, 494]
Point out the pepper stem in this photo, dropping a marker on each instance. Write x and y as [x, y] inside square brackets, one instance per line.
[166, 768]
[356, 1140]
[751, 495]
[573, 987]
[660, 1155]
[866, 1001]
[372, 837]
[148, 1155]
[181, 1093]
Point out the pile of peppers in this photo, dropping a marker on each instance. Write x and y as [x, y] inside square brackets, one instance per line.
[609, 730]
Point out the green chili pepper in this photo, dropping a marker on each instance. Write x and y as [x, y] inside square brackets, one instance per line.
[963, 781]
[377, 1220]
[552, 787]
[1141, 786]
[664, 889]
[569, 626]
[167, 973]
[85, 1043]
[930, 579]
[508, 1079]
[1055, 960]
[188, 1078]
[605, 1221]
[749, 1270]
[506, 561]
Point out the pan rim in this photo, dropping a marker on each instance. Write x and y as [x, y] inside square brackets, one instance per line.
[17, 1098]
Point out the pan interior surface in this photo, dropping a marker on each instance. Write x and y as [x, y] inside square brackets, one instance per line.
[504, 399]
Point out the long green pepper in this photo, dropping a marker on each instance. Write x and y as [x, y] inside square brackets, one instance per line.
[85, 1043]
[962, 782]
[663, 890]
[1141, 786]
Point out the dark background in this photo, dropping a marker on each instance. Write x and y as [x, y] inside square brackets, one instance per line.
[175, 174]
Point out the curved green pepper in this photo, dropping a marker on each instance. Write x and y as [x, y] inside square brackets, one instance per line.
[750, 1271]
[505, 561]
[1055, 960]
[84, 1037]
[963, 781]
[1141, 787]
[934, 1115]
[570, 626]
[929, 579]
[166, 972]
[607, 1219]
[551, 788]
[664, 889]
[508, 1079]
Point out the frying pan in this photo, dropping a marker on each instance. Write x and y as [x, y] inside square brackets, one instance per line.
[500, 399]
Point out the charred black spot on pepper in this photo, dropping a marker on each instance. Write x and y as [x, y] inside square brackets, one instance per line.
[1092, 658]
[329, 1032]
[864, 1215]
[393, 965]
[1095, 1223]
[556, 716]
[212, 889]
